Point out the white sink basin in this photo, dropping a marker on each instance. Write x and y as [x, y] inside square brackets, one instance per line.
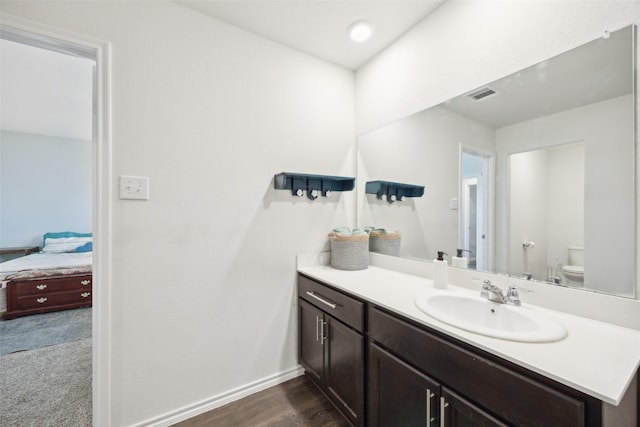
[479, 315]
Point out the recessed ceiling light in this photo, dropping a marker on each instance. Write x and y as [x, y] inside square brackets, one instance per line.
[360, 31]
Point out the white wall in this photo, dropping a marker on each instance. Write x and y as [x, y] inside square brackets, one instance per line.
[565, 213]
[527, 213]
[45, 185]
[204, 273]
[422, 149]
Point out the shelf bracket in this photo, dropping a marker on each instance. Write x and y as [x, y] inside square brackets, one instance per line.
[314, 185]
[393, 191]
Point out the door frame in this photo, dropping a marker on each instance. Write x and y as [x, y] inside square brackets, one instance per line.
[40, 35]
[486, 185]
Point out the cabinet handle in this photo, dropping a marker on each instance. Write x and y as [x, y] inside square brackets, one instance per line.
[42, 287]
[85, 294]
[429, 418]
[85, 282]
[323, 337]
[322, 300]
[41, 300]
[317, 328]
[443, 405]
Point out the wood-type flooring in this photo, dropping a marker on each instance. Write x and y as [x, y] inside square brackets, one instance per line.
[297, 402]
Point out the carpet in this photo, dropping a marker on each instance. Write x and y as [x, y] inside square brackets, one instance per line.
[49, 386]
[41, 330]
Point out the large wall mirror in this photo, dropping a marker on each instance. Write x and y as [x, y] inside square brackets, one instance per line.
[532, 175]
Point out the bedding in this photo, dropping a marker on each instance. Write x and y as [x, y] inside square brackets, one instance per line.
[46, 265]
[65, 241]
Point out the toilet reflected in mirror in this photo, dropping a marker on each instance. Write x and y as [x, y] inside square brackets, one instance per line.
[574, 270]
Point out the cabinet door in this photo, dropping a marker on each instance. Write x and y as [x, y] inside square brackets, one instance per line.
[310, 348]
[398, 394]
[344, 369]
[458, 412]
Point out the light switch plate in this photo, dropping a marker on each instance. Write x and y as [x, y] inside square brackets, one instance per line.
[134, 187]
[453, 204]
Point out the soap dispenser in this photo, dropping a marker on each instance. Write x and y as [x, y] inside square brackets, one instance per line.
[440, 271]
[459, 260]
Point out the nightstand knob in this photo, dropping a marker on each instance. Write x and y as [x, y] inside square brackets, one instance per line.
[41, 287]
[85, 294]
[85, 282]
[41, 300]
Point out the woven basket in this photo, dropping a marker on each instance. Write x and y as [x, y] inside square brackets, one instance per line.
[349, 252]
[385, 243]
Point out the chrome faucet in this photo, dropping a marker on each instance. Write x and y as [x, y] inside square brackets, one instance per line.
[494, 293]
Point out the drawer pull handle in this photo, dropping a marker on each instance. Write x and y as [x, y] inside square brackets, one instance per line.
[41, 287]
[85, 282]
[85, 294]
[322, 300]
[41, 300]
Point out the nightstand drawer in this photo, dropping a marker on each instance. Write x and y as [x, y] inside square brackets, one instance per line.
[37, 287]
[53, 299]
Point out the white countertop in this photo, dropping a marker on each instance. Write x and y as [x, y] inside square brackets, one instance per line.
[596, 358]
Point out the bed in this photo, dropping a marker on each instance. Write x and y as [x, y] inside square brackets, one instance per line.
[57, 278]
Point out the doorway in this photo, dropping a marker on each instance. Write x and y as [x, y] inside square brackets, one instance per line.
[44, 37]
[475, 213]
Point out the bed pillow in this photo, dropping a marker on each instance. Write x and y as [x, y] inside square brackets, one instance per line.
[65, 241]
[87, 247]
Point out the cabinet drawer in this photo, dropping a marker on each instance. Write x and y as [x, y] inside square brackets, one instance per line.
[53, 299]
[482, 381]
[31, 287]
[342, 307]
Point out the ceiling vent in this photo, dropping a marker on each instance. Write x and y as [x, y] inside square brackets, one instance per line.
[483, 94]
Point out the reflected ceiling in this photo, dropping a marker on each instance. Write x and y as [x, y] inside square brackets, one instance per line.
[559, 84]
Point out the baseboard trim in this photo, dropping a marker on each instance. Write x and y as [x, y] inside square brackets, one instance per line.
[222, 399]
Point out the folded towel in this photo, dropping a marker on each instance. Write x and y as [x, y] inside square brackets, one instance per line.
[346, 231]
[358, 232]
[342, 231]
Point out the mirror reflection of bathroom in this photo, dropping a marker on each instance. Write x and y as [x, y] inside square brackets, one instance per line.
[547, 208]
[475, 205]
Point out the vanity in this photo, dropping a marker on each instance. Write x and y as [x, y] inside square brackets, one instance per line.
[520, 175]
[383, 362]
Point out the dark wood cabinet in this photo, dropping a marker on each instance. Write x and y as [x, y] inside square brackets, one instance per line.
[478, 389]
[455, 411]
[331, 351]
[416, 376]
[344, 369]
[400, 395]
[310, 348]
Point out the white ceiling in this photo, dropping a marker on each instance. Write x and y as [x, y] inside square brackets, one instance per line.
[49, 93]
[45, 92]
[319, 27]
